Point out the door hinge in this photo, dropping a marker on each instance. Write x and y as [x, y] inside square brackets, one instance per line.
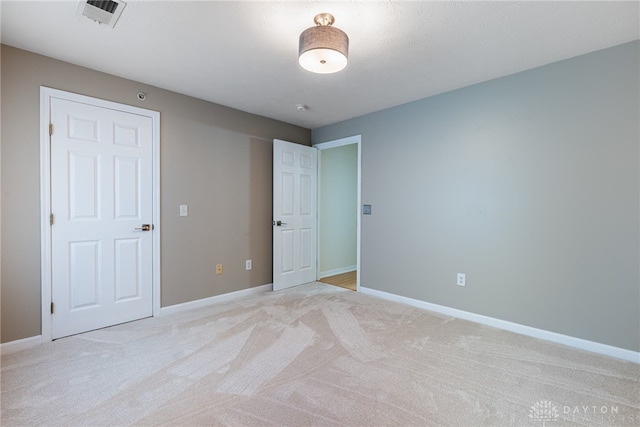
[51, 219]
[52, 308]
[50, 129]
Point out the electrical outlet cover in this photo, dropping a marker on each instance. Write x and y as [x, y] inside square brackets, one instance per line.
[461, 279]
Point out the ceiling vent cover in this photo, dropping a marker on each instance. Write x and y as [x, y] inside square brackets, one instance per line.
[102, 11]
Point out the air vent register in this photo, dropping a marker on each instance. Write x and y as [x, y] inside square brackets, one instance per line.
[104, 12]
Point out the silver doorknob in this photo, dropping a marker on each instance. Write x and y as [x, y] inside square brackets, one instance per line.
[145, 227]
[280, 223]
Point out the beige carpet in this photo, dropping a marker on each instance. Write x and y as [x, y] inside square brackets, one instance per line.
[313, 355]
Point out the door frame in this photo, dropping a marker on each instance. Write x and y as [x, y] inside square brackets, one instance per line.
[356, 139]
[46, 94]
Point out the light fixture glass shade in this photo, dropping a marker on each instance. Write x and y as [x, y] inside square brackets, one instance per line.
[323, 49]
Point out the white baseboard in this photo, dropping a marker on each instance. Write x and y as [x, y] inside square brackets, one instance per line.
[17, 345]
[607, 350]
[599, 348]
[336, 271]
[177, 308]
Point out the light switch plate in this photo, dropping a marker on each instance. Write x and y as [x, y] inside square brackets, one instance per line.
[366, 209]
[184, 210]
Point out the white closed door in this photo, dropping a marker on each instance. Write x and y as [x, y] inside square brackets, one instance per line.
[295, 169]
[101, 200]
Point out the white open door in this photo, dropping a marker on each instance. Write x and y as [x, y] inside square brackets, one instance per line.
[102, 205]
[295, 170]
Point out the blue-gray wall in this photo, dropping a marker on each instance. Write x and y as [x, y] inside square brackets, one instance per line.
[529, 184]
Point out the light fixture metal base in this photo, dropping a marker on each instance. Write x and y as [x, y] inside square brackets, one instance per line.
[324, 19]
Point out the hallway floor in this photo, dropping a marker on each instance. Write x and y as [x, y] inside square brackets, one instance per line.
[344, 280]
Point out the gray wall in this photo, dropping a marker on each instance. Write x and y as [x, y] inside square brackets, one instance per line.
[529, 184]
[337, 208]
[213, 158]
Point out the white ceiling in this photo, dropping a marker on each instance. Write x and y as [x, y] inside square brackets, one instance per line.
[244, 54]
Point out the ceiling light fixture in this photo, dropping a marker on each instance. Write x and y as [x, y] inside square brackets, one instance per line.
[323, 49]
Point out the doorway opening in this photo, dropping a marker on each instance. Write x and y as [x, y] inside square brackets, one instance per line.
[338, 212]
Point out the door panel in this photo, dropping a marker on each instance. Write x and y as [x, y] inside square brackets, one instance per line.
[306, 246]
[127, 278]
[287, 196]
[101, 194]
[294, 206]
[127, 184]
[84, 277]
[83, 186]
[287, 255]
